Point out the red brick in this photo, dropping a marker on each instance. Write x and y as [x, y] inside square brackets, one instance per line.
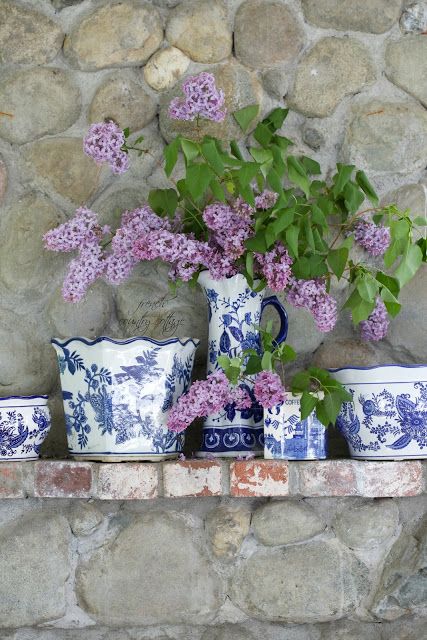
[390, 479]
[192, 478]
[12, 479]
[127, 481]
[63, 479]
[259, 478]
[327, 478]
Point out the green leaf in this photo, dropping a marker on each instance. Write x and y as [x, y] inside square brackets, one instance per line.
[171, 155]
[223, 362]
[366, 187]
[286, 353]
[318, 216]
[126, 132]
[309, 234]
[253, 365]
[163, 200]
[273, 180]
[234, 147]
[262, 134]
[353, 197]
[257, 243]
[267, 361]
[360, 309]
[247, 193]
[341, 178]
[285, 217]
[311, 166]
[337, 260]
[245, 116]
[396, 248]
[308, 403]
[292, 236]
[367, 287]
[276, 118]
[422, 243]
[247, 173]
[138, 140]
[190, 149]
[393, 306]
[210, 152]
[332, 404]
[197, 179]
[389, 282]
[400, 229]
[297, 174]
[419, 221]
[409, 265]
[217, 190]
[301, 382]
[250, 264]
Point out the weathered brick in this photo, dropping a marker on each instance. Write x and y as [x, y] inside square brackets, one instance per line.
[192, 478]
[12, 480]
[259, 478]
[127, 481]
[327, 478]
[390, 479]
[63, 479]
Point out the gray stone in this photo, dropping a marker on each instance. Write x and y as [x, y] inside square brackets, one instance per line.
[123, 100]
[42, 101]
[35, 565]
[165, 68]
[55, 445]
[313, 137]
[201, 29]
[347, 352]
[156, 574]
[84, 518]
[60, 163]
[27, 37]
[3, 179]
[241, 88]
[110, 206]
[345, 630]
[273, 585]
[275, 82]
[228, 632]
[25, 265]
[302, 333]
[406, 65]
[62, 4]
[227, 527]
[368, 525]
[386, 137]
[279, 523]
[266, 34]
[322, 79]
[406, 629]
[27, 363]
[375, 16]
[115, 35]
[86, 318]
[414, 18]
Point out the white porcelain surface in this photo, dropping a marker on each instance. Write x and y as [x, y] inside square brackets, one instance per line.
[387, 419]
[117, 395]
[24, 425]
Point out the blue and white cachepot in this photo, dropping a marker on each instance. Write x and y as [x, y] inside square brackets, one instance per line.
[117, 395]
[24, 424]
[287, 437]
[387, 419]
[234, 313]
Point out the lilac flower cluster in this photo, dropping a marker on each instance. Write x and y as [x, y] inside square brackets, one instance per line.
[202, 99]
[103, 143]
[376, 326]
[268, 389]
[375, 239]
[82, 272]
[230, 227]
[206, 397]
[276, 267]
[82, 230]
[312, 295]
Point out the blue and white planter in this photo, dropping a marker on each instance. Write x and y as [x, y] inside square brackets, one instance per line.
[287, 437]
[117, 395]
[387, 419]
[234, 313]
[24, 424]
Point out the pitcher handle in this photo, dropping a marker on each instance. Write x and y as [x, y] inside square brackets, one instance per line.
[283, 331]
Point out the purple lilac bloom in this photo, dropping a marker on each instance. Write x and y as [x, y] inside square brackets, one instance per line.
[103, 143]
[82, 230]
[276, 267]
[266, 199]
[82, 272]
[376, 326]
[312, 295]
[203, 398]
[202, 99]
[268, 389]
[375, 239]
[231, 227]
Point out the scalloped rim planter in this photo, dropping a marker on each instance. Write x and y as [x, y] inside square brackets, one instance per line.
[388, 417]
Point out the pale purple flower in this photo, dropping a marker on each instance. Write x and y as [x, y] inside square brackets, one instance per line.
[268, 389]
[201, 99]
[266, 199]
[375, 239]
[103, 143]
[275, 265]
[230, 227]
[376, 326]
[83, 229]
[312, 295]
[82, 272]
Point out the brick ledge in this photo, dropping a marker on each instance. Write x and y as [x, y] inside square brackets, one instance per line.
[200, 478]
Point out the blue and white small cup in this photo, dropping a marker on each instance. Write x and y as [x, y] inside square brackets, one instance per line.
[24, 424]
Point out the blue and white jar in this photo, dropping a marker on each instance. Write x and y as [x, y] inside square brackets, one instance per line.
[234, 313]
[24, 424]
[387, 419]
[287, 437]
[117, 395]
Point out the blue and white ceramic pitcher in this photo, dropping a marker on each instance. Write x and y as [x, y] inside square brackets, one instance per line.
[234, 313]
[117, 395]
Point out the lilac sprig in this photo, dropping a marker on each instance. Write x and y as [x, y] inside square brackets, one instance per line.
[374, 239]
[376, 326]
[312, 295]
[104, 143]
[201, 99]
